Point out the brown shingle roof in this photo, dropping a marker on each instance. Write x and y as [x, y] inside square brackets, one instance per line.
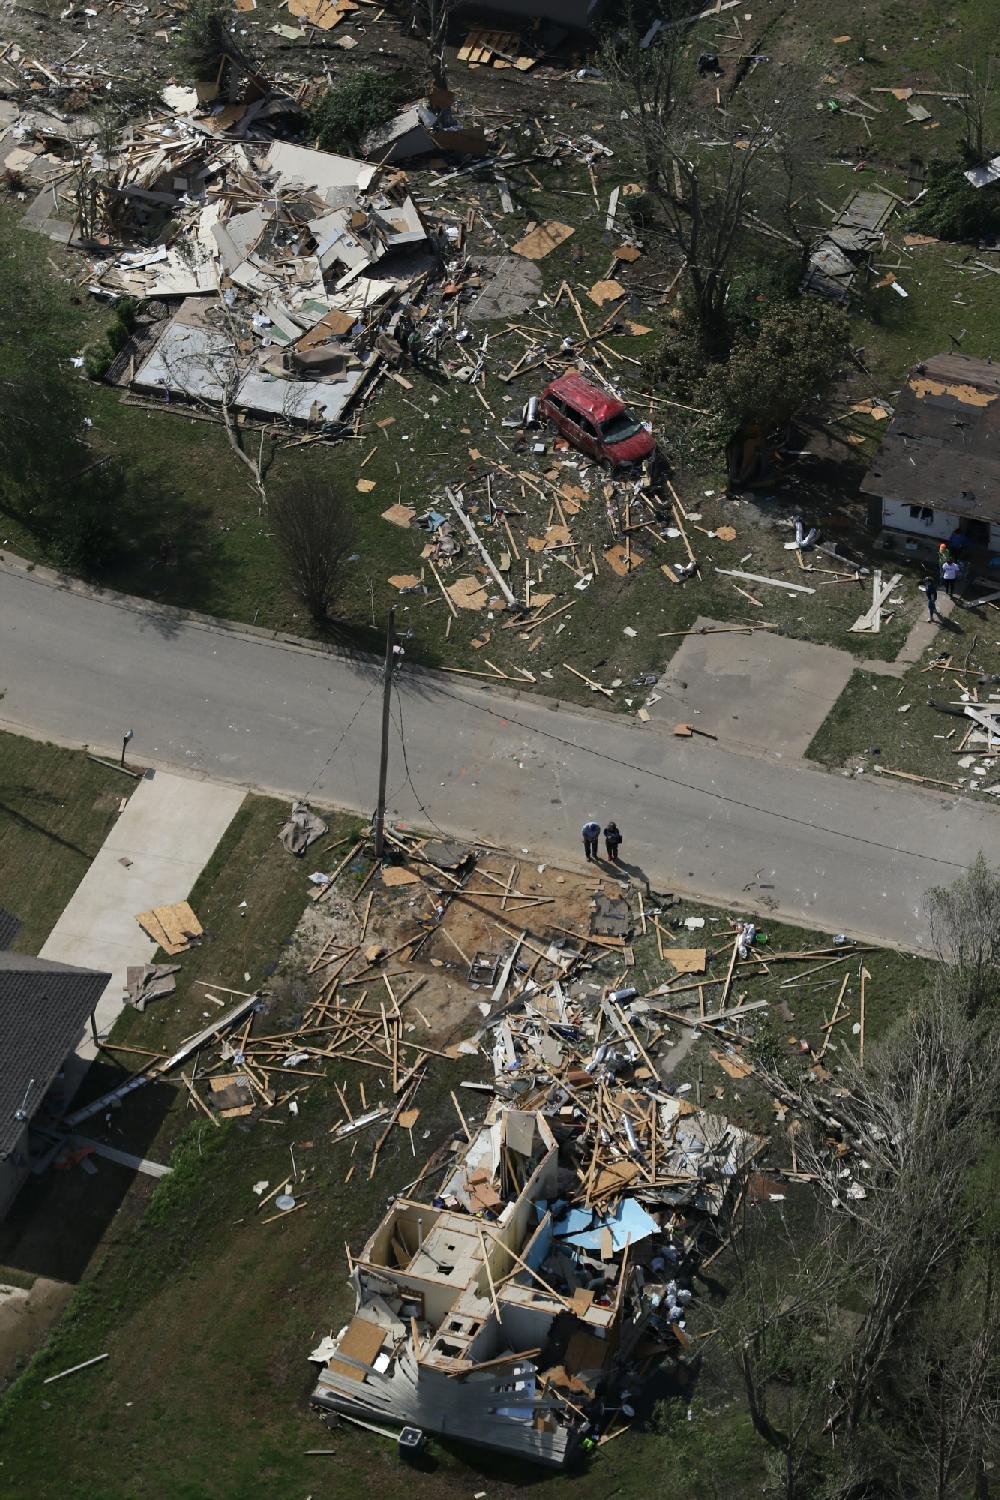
[942, 448]
[43, 1010]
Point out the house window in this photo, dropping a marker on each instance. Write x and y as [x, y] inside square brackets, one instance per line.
[921, 513]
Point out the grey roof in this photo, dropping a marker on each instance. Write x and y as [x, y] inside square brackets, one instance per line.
[942, 448]
[43, 1010]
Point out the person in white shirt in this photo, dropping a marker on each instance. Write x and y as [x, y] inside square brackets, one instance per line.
[949, 572]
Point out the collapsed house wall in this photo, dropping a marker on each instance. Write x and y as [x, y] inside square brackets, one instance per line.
[505, 1312]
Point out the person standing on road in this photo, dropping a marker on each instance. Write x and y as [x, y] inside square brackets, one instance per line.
[591, 833]
[949, 572]
[930, 588]
[612, 840]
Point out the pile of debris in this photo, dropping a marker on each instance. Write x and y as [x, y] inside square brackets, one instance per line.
[519, 1303]
[289, 261]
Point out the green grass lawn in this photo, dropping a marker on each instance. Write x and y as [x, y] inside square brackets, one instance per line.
[56, 809]
[889, 722]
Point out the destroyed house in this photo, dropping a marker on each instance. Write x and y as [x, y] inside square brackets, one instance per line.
[937, 471]
[288, 261]
[44, 1008]
[508, 1311]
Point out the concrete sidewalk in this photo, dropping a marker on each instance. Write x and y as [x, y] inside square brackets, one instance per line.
[169, 830]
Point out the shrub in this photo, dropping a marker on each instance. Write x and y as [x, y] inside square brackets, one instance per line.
[953, 209]
[352, 107]
[204, 35]
[794, 356]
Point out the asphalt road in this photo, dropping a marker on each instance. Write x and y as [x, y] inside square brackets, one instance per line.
[844, 855]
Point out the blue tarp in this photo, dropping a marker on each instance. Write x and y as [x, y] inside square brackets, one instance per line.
[629, 1224]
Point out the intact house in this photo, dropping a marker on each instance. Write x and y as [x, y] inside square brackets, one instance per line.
[936, 474]
[44, 1008]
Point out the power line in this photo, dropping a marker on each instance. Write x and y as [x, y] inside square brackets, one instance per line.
[688, 786]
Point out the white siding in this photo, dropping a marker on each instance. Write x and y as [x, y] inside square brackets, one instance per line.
[917, 521]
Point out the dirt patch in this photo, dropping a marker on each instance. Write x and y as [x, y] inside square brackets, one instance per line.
[26, 1315]
[432, 932]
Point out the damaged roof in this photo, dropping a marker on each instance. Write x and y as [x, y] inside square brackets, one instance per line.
[942, 448]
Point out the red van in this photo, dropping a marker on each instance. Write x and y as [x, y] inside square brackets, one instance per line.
[596, 423]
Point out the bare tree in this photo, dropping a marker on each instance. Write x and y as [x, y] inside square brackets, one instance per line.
[313, 528]
[778, 1324]
[966, 933]
[211, 374]
[431, 19]
[706, 171]
[977, 95]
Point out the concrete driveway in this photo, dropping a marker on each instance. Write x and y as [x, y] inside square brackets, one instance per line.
[165, 836]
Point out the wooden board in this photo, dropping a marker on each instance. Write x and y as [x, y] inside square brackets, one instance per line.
[606, 291]
[399, 515]
[468, 593]
[623, 561]
[173, 928]
[732, 1065]
[543, 240]
[614, 1178]
[687, 960]
[362, 1341]
[394, 875]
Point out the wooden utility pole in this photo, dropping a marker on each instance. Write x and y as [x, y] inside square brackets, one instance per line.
[383, 769]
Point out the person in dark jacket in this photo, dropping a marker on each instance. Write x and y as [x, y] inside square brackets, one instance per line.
[930, 588]
[612, 840]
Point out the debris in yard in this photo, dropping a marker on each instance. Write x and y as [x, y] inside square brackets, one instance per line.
[84, 1365]
[303, 828]
[542, 240]
[173, 928]
[148, 982]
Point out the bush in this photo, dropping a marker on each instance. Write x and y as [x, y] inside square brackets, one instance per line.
[352, 107]
[96, 361]
[793, 357]
[203, 36]
[953, 209]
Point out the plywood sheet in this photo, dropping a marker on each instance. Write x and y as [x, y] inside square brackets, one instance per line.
[399, 515]
[362, 1341]
[606, 291]
[687, 960]
[394, 875]
[543, 240]
[622, 561]
[732, 1065]
[468, 593]
[173, 928]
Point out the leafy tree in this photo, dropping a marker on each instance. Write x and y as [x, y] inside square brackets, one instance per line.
[953, 209]
[792, 357]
